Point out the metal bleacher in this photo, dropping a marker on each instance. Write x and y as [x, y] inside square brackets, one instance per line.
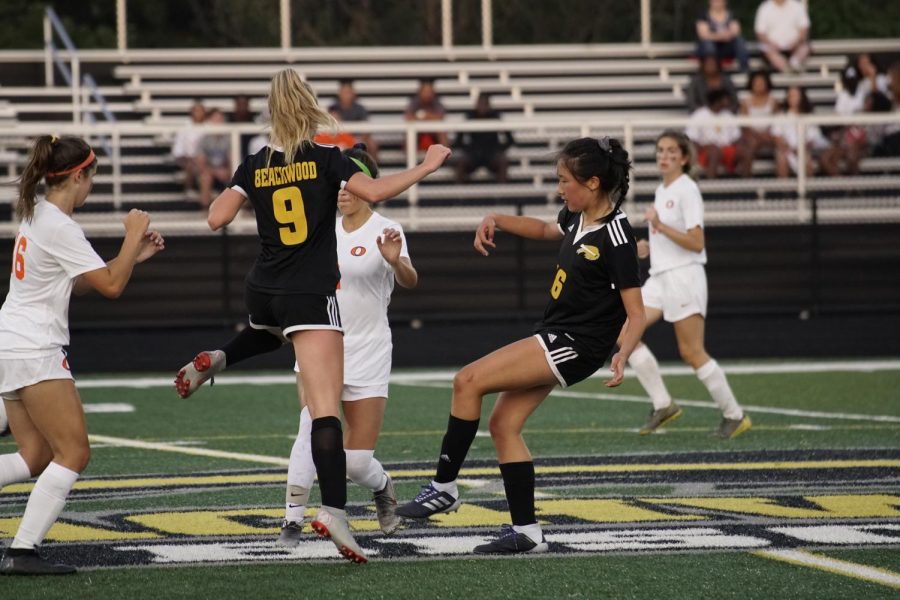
[546, 94]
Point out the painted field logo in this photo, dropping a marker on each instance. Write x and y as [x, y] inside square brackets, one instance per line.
[589, 252]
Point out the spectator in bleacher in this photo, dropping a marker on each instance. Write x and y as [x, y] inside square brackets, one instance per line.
[876, 102]
[426, 106]
[710, 77]
[241, 114]
[348, 108]
[341, 138]
[719, 35]
[187, 142]
[713, 130]
[890, 143]
[483, 148]
[756, 139]
[782, 30]
[213, 159]
[862, 76]
[786, 142]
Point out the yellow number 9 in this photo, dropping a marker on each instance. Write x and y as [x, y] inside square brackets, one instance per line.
[558, 281]
[288, 206]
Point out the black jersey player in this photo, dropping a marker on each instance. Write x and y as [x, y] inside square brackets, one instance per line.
[594, 288]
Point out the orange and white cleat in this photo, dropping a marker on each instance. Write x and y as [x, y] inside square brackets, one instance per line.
[204, 367]
[332, 523]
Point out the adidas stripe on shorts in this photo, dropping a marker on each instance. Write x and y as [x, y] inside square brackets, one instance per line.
[570, 357]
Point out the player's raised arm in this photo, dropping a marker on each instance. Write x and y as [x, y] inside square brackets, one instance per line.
[526, 227]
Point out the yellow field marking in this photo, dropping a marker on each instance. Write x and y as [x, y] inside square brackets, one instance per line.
[69, 532]
[833, 565]
[148, 482]
[606, 511]
[832, 507]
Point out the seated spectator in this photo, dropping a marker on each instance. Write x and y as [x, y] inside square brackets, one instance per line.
[213, 159]
[890, 142]
[341, 138]
[710, 77]
[756, 139]
[348, 108]
[786, 141]
[862, 76]
[713, 130]
[876, 102]
[719, 35]
[482, 148]
[187, 140]
[782, 30]
[241, 114]
[426, 106]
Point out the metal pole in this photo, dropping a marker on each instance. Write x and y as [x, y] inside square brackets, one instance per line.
[48, 52]
[116, 139]
[236, 154]
[285, 25]
[447, 24]
[121, 25]
[628, 141]
[76, 92]
[487, 24]
[645, 23]
[801, 170]
[411, 146]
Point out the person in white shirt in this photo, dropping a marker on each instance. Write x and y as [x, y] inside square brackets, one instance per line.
[372, 255]
[186, 146]
[714, 130]
[782, 29]
[796, 102]
[51, 260]
[676, 290]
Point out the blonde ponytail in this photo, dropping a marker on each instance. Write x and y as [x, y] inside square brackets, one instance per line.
[296, 114]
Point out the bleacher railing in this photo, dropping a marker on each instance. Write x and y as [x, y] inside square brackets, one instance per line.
[638, 134]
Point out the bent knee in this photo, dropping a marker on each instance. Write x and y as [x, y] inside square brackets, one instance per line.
[75, 459]
[464, 380]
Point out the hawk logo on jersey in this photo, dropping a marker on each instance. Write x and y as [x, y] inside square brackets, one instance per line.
[358, 250]
[589, 252]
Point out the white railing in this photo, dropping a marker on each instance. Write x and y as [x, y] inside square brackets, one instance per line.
[630, 132]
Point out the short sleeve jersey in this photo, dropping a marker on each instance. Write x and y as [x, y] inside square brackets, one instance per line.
[49, 253]
[782, 23]
[595, 263]
[367, 281]
[295, 205]
[679, 206]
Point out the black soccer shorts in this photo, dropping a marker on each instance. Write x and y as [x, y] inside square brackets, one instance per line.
[288, 313]
[571, 357]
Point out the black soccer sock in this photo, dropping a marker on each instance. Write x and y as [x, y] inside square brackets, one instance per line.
[454, 448]
[518, 481]
[330, 460]
[249, 343]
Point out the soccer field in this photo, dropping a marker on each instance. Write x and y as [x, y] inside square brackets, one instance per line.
[805, 505]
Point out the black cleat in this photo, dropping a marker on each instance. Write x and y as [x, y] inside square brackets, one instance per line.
[19, 561]
[512, 542]
[429, 502]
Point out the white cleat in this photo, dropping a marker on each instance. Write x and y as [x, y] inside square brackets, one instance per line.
[197, 372]
[332, 523]
[386, 508]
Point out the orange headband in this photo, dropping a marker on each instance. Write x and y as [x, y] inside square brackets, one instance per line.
[90, 158]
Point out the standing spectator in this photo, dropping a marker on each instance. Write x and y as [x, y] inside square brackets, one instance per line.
[213, 159]
[782, 29]
[719, 35]
[713, 130]
[483, 148]
[786, 141]
[426, 106]
[710, 77]
[187, 142]
[756, 138]
[348, 108]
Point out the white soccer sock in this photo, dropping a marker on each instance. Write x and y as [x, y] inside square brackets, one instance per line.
[533, 531]
[46, 501]
[647, 370]
[301, 468]
[13, 469]
[449, 487]
[364, 470]
[713, 377]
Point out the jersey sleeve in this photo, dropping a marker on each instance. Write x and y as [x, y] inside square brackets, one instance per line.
[564, 219]
[621, 256]
[240, 181]
[404, 249]
[73, 252]
[340, 168]
[692, 207]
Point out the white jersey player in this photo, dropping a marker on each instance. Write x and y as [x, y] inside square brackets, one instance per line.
[676, 290]
[51, 259]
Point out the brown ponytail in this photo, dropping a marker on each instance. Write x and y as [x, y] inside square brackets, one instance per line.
[50, 154]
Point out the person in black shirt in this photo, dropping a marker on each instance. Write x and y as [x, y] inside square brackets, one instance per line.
[482, 148]
[595, 287]
[293, 186]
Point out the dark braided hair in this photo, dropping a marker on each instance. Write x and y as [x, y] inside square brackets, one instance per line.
[604, 158]
[49, 155]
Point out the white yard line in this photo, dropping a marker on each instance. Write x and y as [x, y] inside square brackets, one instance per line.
[862, 366]
[833, 565]
[128, 443]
